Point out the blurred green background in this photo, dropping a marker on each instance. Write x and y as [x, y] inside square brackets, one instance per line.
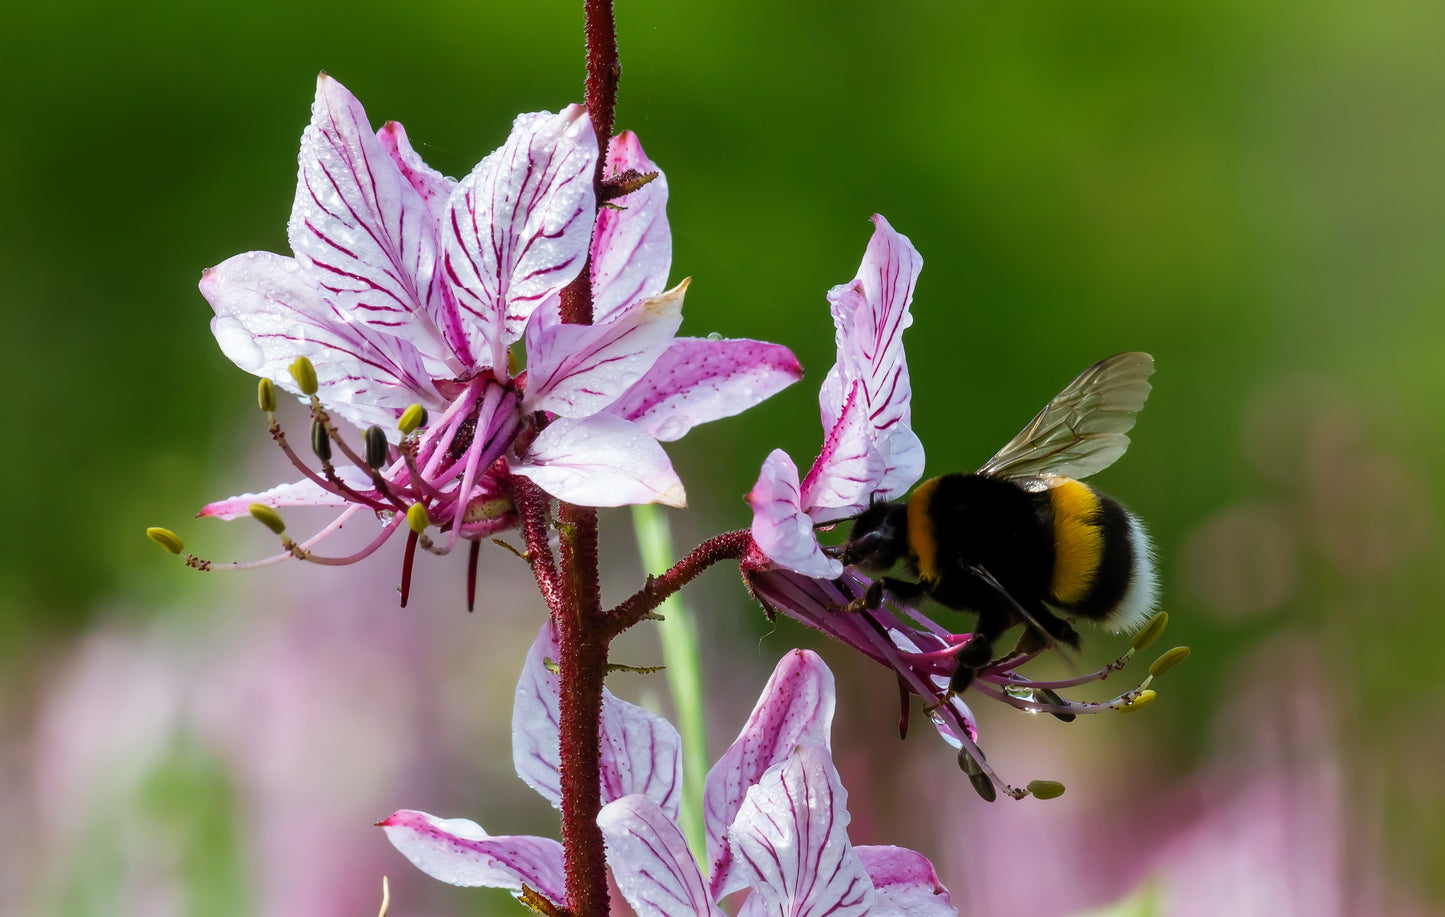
[1250, 191]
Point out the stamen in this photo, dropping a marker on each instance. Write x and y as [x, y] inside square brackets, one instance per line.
[266, 395]
[472, 555]
[1045, 789]
[1151, 631]
[417, 519]
[413, 417]
[377, 447]
[320, 440]
[982, 784]
[1168, 661]
[305, 375]
[166, 539]
[268, 517]
[1138, 702]
[408, 560]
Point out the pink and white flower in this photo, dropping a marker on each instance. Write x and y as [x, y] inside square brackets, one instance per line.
[775, 811]
[408, 288]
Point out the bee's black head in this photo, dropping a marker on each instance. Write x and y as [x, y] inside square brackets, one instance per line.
[879, 538]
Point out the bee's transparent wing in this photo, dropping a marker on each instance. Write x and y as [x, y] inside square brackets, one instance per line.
[1085, 428]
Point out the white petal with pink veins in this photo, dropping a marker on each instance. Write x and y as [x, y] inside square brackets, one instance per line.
[305, 492]
[842, 480]
[434, 187]
[697, 380]
[904, 883]
[364, 234]
[576, 370]
[457, 851]
[790, 840]
[268, 313]
[650, 861]
[781, 529]
[601, 460]
[631, 244]
[517, 228]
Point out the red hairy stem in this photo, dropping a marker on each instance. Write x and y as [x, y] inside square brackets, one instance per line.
[727, 546]
[534, 508]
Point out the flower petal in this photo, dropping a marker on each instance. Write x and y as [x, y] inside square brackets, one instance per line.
[841, 482]
[576, 370]
[641, 751]
[434, 187]
[457, 851]
[601, 460]
[305, 492]
[904, 883]
[268, 313]
[631, 244]
[697, 380]
[650, 861]
[791, 842]
[781, 529]
[517, 228]
[795, 709]
[359, 227]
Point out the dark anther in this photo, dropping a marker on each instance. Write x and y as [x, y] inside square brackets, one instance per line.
[320, 441]
[376, 450]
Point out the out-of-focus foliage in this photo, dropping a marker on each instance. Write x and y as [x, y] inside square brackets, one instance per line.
[1248, 191]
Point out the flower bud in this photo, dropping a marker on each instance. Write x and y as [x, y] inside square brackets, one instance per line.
[266, 395]
[417, 518]
[166, 539]
[1046, 789]
[1144, 699]
[1168, 661]
[320, 441]
[268, 517]
[1151, 631]
[376, 452]
[413, 417]
[305, 375]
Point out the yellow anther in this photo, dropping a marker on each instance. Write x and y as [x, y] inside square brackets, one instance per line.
[1144, 699]
[166, 539]
[305, 375]
[268, 517]
[266, 395]
[417, 518]
[1168, 661]
[411, 418]
[1046, 789]
[1151, 631]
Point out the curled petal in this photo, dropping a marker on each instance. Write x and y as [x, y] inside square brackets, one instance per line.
[650, 860]
[641, 751]
[434, 187]
[301, 493]
[904, 883]
[791, 841]
[601, 460]
[459, 852]
[359, 227]
[697, 380]
[576, 370]
[517, 228]
[781, 529]
[842, 480]
[268, 313]
[795, 709]
[631, 244]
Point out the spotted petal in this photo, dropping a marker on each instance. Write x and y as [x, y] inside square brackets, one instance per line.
[781, 529]
[601, 460]
[631, 244]
[517, 228]
[268, 313]
[360, 228]
[650, 860]
[641, 751]
[791, 842]
[457, 851]
[697, 380]
[795, 709]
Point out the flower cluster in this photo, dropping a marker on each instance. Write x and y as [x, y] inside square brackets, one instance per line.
[776, 812]
[412, 296]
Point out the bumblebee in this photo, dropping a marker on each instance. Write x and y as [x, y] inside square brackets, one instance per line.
[1022, 540]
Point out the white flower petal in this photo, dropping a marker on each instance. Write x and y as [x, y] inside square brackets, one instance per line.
[457, 851]
[781, 529]
[904, 883]
[650, 861]
[601, 460]
[631, 244]
[305, 492]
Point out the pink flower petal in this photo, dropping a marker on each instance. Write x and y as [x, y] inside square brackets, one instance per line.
[301, 493]
[631, 246]
[459, 852]
[791, 842]
[781, 529]
[650, 861]
[576, 370]
[268, 313]
[843, 478]
[698, 380]
[359, 227]
[641, 751]
[601, 460]
[796, 708]
[517, 228]
[904, 883]
[434, 187]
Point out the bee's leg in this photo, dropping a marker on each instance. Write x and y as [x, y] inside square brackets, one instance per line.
[872, 599]
[1045, 629]
[978, 651]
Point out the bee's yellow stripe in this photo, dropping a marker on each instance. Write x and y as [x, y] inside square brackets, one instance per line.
[921, 539]
[1078, 540]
